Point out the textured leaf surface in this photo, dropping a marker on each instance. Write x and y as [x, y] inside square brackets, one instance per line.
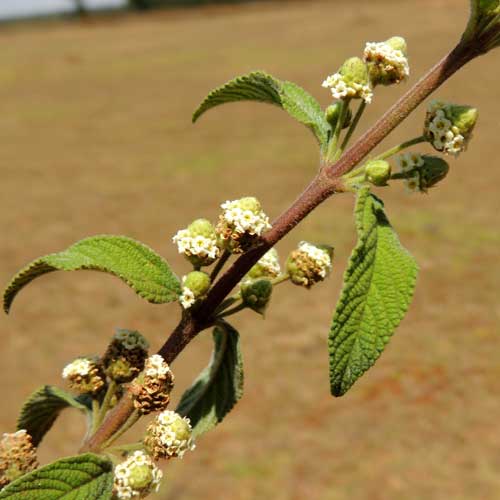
[377, 291]
[84, 477]
[42, 408]
[219, 386]
[305, 109]
[259, 86]
[134, 263]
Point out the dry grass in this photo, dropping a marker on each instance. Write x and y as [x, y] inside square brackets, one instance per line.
[96, 138]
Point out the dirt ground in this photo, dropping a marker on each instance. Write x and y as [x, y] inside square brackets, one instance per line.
[96, 138]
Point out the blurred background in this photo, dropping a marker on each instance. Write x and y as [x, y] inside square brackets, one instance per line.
[96, 138]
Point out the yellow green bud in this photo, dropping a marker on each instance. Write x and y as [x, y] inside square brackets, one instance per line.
[332, 115]
[198, 282]
[378, 172]
[354, 72]
[257, 294]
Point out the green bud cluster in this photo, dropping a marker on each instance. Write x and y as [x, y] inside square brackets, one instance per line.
[256, 294]
[378, 172]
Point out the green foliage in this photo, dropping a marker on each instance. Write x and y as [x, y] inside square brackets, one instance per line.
[42, 408]
[259, 86]
[134, 263]
[82, 477]
[219, 386]
[377, 291]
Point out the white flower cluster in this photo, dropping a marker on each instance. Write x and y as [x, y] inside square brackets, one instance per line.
[321, 258]
[136, 477]
[390, 60]
[409, 161]
[131, 340]
[340, 89]
[80, 367]
[197, 246]
[244, 220]
[445, 136]
[155, 367]
[270, 263]
[173, 434]
[187, 297]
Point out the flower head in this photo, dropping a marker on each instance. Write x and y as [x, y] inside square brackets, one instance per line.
[125, 355]
[448, 127]
[194, 286]
[387, 61]
[350, 82]
[378, 172]
[198, 243]
[169, 436]
[241, 223]
[420, 173]
[17, 456]
[84, 375]
[151, 392]
[309, 264]
[136, 477]
[268, 266]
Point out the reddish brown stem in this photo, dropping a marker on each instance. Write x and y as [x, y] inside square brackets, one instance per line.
[323, 186]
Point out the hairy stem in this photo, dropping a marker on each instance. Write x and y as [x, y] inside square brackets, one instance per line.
[322, 187]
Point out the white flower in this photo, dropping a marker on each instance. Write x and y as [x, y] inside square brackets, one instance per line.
[156, 367]
[409, 161]
[136, 477]
[319, 256]
[340, 89]
[389, 60]
[196, 245]
[187, 297]
[79, 367]
[413, 183]
[270, 263]
[169, 435]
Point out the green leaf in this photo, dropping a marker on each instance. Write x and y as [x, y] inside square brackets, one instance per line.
[377, 291]
[305, 108]
[259, 86]
[81, 477]
[42, 408]
[134, 263]
[219, 386]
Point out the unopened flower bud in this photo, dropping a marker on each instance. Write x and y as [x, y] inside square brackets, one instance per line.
[241, 223]
[136, 477]
[17, 456]
[256, 294]
[84, 375]
[351, 81]
[484, 24]
[387, 61]
[309, 264]
[169, 436]
[268, 266]
[151, 390]
[198, 243]
[194, 286]
[378, 172]
[448, 127]
[125, 355]
[332, 115]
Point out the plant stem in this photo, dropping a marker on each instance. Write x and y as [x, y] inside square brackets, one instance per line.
[326, 183]
[220, 264]
[95, 414]
[352, 128]
[400, 147]
[234, 310]
[131, 420]
[110, 392]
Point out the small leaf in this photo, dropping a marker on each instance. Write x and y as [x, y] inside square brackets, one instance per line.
[259, 86]
[256, 86]
[219, 386]
[305, 108]
[134, 263]
[81, 477]
[42, 408]
[378, 287]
